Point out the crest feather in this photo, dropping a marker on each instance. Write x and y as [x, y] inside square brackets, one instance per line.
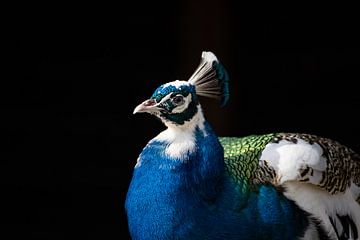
[211, 79]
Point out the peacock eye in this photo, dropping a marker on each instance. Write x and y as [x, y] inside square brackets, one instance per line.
[178, 100]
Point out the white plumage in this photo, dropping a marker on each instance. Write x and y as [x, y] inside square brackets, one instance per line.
[301, 167]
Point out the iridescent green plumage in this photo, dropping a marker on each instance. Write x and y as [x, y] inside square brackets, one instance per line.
[241, 157]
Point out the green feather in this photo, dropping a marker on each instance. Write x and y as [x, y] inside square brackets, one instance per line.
[241, 156]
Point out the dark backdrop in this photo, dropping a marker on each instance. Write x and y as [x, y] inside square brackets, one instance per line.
[75, 74]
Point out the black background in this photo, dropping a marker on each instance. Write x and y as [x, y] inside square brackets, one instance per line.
[74, 74]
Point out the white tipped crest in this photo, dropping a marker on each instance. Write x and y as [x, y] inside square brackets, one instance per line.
[207, 58]
[210, 78]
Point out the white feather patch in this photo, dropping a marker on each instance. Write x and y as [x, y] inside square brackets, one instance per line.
[179, 142]
[288, 159]
[181, 138]
[322, 204]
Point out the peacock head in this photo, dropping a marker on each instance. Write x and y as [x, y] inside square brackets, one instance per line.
[177, 102]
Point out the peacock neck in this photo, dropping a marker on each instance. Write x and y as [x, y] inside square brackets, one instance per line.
[177, 177]
[192, 149]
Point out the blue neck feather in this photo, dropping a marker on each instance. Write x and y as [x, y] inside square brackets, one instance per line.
[191, 198]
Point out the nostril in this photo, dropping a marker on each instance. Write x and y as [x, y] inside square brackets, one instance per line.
[150, 102]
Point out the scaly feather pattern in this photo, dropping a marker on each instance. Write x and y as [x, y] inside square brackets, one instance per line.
[241, 159]
[321, 170]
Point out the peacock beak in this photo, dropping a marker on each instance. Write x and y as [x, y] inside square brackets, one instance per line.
[148, 106]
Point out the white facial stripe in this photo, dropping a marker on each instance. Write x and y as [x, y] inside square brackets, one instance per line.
[179, 108]
[164, 99]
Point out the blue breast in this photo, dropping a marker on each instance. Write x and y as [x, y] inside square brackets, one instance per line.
[191, 198]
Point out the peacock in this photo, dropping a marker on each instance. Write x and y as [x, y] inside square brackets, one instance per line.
[188, 183]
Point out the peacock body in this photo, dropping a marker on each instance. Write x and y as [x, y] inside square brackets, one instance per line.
[190, 184]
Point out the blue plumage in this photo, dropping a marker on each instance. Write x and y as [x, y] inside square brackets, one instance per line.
[189, 185]
[186, 199]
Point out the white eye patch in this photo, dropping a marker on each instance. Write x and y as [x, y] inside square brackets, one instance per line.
[183, 106]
